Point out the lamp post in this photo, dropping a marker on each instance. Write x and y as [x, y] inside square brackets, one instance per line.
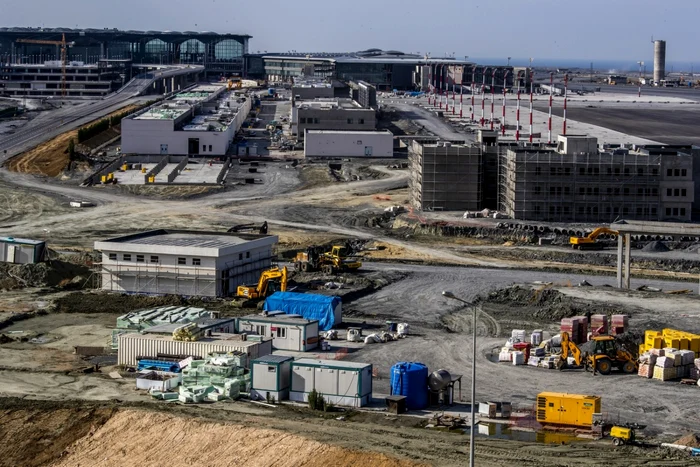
[452, 296]
[641, 64]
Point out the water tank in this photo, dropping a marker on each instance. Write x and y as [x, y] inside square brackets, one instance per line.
[410, 379]
[439, 380]
[659, 61]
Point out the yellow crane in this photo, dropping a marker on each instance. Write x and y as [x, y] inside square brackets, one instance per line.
[64, 45]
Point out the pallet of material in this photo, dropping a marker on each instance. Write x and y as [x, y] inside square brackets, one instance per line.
[665, 374]
[665, 362]
[645, 370]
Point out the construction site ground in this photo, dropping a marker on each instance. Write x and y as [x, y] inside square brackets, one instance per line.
[51, 405]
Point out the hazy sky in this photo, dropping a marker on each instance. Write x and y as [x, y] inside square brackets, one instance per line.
[590, 29]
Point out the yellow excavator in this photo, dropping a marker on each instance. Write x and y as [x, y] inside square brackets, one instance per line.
[607, 354]
[271, 281]
[590, 242]
[336, 260]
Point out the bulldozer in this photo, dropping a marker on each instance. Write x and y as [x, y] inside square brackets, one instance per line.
[607, 354]
[590, 242]
[271, 281]
[330, 262]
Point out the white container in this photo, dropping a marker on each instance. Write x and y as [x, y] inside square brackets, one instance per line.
[536, 337]
[518, 358]
[518, 334]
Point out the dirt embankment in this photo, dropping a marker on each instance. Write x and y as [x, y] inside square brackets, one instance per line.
[55, 273]
[147, 439]
[51, 158]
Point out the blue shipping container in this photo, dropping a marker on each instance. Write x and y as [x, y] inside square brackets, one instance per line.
[325, 309]
[410, 379]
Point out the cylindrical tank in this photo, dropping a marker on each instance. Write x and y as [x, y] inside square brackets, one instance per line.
[659, 61]
[439, 380]
[411, 380]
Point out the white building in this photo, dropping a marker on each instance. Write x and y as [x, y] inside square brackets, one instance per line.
[341, 383]
[202, 121]
[206, 264]
[337, 143]
[135, 346]
[287, 332]
[270, 377]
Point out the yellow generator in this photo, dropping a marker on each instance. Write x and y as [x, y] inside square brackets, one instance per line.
[575, 410]
[622, 435]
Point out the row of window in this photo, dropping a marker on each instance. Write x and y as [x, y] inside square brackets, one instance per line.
[676, 172]
[676, 192]
[278, 333]
[557, 190]
[316, 121]
[153, 259]
[566, 171]
[204, 148]
[593, 210]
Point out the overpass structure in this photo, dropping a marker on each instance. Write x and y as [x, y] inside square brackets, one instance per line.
[633, 230]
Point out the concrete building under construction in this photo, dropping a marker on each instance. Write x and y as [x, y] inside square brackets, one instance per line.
[445, 176]
[578, 183]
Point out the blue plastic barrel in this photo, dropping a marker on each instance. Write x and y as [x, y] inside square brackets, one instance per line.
[410, 379]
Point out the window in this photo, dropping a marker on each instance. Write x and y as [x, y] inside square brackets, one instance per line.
[537, 209]
[626, 191]
[639, 211]
[302, 119]
[677, 172]
[607, 210]
[350, 121]
[112, 256]
[669, 172]
[551, 190]
[260, 329]
[616, 211]
[684, 172]
[271, 369]
[580, 209]
[567, 190]
[640, 191]
[625, 211]
[567, 171]
[616, 191]
[683, 192]
[240, 256]
[281, 333]
[552, 171]
[139, 259]
[538, 171]
[669, 192]
[682, 211]
[581, 171]
[676, 192]
[595, 190]
[210, 148]
[362, 121]
[655, 171]
[538, 190]
[182, 261]
[581, 190]
[653, 211]
[126, 257]
[668, 211]
[675, 211]
[617, 171]
[551, 209]
[640, 170]
[596, 171]
[610, 190]
[204, 148]
[566, 209]
[196, 262]
[595, 209]
[609, 170]
[154, 259]
[247, 254]
[588, 210]
[317, 121]
[654, 191]
[627, 170]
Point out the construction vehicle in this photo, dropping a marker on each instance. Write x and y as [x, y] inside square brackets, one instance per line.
[336, 260]
[590, 242]
[64, 52]
[272, 280]
[622, 435]
[607, 354]
[234, 82]
[261, 229]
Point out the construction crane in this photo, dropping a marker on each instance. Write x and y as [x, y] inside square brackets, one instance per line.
[64, 48]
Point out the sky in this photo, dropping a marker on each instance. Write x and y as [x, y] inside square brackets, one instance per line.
[542, 29]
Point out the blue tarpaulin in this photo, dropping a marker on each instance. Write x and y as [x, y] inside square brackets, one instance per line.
[309, 306]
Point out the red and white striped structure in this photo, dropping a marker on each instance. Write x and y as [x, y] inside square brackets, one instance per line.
[473, 88]
[439, 96]
[446, 78]
[483, 96]
[461, 92]
[503, 115]
[454, 95]
[551, 94]
[493, 94]
[430, 82]
[566, 87]
[517, 110]
[532, 78]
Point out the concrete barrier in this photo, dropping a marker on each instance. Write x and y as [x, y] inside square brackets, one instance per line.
[180, 166]
[156, 170]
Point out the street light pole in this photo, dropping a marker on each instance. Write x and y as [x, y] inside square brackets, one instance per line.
[472, 408]
[639, 94]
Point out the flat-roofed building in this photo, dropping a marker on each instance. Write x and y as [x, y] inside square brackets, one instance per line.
[331, 114]
[206, 264]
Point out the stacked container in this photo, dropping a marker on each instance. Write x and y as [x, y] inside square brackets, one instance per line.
[599, 325]
[619, 324]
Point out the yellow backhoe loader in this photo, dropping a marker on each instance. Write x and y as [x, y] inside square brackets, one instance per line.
[607, 354]
[330, 262]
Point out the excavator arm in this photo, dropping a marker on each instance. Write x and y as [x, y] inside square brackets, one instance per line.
[569, 349]
[591, 238]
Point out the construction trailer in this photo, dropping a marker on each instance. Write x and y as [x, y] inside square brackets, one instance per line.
[340, 383]
[288, 332]
[328, 310]
[22, 250]
[270, 377]
[134, 346]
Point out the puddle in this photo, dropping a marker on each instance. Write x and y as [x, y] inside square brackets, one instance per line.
[503, 431]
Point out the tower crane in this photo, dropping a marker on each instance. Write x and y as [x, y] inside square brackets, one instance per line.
[64, 48]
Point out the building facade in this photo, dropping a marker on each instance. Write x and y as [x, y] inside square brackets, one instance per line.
[341, 383]
[286, 332]
[333, 143]
[445, 176]
[22, 250]
[205, 264]
[202, 121]
[220, 54]
[331, 114]
[270, 378]
[577, 183]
